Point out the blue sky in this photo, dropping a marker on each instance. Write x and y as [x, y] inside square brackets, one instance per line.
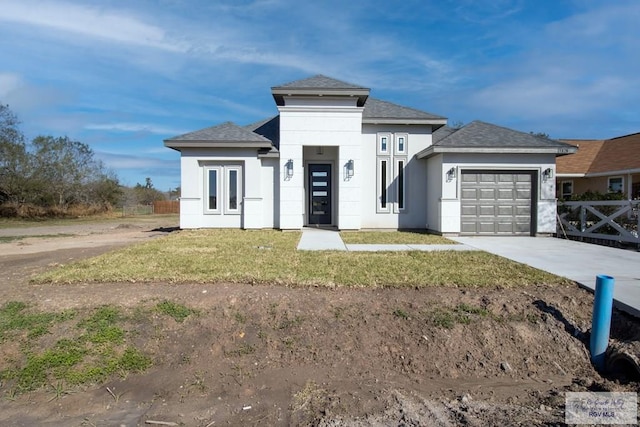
[123, 75]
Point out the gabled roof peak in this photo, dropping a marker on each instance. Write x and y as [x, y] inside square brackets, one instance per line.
[319, 85]
[319, 81]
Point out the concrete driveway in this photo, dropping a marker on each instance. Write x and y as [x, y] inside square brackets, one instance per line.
[577, 261]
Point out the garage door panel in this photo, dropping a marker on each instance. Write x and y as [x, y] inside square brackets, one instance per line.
[470, 177]
[469, 194]
[506, 210]
[488, 211]
[486, 227]
[469, 228]
[505, 194]
[487, 194]
[505, 227]
[470, 210]
[496, 203]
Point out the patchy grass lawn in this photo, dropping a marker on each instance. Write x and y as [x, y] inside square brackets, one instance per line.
[394, 238]
[242, 256]
[113, 217]
[87, 348]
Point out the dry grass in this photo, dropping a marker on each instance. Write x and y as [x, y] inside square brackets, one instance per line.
[240, 256]
[112, 217]
[394, 238]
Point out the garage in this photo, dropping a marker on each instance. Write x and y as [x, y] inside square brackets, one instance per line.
[497, 202]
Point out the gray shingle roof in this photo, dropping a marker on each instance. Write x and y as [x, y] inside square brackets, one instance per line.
[442, 133]
[378, 109]
[485, 135]
[481, 137]
[223, 135]
[319, 82]
[268, 128]
[319, 86]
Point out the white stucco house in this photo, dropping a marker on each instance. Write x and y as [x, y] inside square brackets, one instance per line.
[334, 156]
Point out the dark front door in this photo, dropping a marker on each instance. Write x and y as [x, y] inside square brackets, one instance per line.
[319, 194]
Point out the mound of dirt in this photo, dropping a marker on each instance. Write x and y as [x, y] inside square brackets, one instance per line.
[281, 356]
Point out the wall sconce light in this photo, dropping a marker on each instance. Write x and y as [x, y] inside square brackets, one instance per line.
[350, 168]
[451, 174]
[547, 174]
[288, 168]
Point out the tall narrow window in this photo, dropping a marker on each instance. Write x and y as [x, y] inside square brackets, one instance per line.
[400, 184]
[383, 184]
[212, 190]
[233, 188]
[232, 193]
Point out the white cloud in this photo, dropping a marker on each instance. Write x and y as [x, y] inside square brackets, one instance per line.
[136, 127]
[87, 21]
[581, 68]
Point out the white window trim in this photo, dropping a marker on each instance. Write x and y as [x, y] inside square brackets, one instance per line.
[397, 138]
[227, 171]
[396, 178]
[222, 183]
[218, 170]
[621, 178]
[379, 144]
[386, 184]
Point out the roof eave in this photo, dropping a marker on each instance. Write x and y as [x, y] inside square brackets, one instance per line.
[613, 172]
[400, 121]
[435, 149]
[569, 175]
[177, 145]
[280, 93]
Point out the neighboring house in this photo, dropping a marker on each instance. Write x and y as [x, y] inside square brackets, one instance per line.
[336, 157]
[603, 166]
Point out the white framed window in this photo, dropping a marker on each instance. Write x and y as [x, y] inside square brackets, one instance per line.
[212, 190]
[233, 192]
[223, 189]
[566, 188]
[616, 184]
[384, 142]
[400, 164]
[401, 140]
[383, 185]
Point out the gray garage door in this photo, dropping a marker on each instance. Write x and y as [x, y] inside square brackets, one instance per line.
[496, 202]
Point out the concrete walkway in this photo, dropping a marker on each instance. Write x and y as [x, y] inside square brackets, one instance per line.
[322, 239]
[577, 261]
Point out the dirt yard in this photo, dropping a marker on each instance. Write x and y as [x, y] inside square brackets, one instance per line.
[270, 355]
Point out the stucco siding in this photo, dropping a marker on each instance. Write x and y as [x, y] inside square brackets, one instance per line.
[415, 170]
[544, 190]
[319, 123]
[192, 202]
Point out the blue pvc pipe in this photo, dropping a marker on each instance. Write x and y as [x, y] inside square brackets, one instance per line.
[601, 321]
